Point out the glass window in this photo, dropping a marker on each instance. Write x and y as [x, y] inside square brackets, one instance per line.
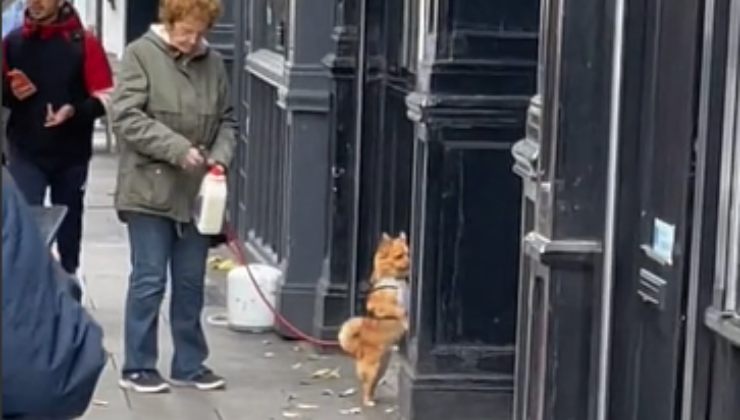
[13, 16]
[276, 19]
[410, 44]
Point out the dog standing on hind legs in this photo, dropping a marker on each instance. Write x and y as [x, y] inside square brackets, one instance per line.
[369, 339]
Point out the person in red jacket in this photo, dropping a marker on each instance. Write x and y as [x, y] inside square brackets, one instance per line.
[56, 79]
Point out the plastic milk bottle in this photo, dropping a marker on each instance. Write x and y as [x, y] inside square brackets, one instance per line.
[210, 203]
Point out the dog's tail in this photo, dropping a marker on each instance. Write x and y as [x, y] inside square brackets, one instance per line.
[349, 335]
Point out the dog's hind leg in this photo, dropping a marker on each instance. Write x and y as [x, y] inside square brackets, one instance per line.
[368, 371]
[382, 369]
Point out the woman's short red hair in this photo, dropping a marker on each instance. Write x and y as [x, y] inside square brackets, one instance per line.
[171, 11]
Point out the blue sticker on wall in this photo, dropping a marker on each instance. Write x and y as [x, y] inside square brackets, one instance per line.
[664, 237]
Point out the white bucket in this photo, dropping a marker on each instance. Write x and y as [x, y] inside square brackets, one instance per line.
[245, 309]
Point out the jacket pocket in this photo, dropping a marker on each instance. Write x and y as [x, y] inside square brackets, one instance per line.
[151, 186]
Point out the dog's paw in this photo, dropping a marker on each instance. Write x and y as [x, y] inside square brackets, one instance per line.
[369, 403]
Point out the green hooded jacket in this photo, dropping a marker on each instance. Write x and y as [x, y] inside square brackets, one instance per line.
[165, 103]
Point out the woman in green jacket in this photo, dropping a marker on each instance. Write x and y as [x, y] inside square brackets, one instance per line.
[172, 114]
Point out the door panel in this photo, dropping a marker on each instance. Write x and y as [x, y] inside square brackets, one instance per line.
[659, 126]
[388, 134]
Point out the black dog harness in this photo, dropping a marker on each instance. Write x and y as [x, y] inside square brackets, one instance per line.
[389, 284]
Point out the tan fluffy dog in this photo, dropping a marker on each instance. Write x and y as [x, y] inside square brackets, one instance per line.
[369, 339]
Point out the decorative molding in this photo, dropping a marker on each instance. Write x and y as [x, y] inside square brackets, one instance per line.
[304, 100]
[268, 66]
[486, 110]
[724, 324]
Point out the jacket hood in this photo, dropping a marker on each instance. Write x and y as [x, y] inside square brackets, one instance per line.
[161, 38]
[66, 24]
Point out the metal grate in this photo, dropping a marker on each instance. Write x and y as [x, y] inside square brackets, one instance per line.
[265, 154]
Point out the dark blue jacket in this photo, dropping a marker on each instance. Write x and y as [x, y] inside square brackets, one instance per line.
[52, 351]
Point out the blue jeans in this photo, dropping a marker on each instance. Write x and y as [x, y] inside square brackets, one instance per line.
[156, 244]
[67, 186]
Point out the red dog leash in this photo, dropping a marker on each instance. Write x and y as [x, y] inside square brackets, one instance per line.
[238, 250]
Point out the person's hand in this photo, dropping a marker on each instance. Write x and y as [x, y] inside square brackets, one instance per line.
[192, 159]
[212, 163]
[20, 85]
[55, 118]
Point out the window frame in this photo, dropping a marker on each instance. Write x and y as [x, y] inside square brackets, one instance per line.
[268, 26]
[723, 315]
[409, 51]
[727, 274]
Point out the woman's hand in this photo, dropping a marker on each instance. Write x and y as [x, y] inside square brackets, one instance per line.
[212, 163]
[192, 160]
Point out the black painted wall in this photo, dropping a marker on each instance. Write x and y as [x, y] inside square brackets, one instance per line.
[139, 15]
[724, 403]
[562, 162]
[386, 142]
[665, 363]
[716, 373]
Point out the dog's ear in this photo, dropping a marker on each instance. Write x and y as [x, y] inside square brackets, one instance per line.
[385, 237]
[402, 236]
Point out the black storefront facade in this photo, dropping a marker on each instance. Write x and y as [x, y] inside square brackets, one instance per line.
[629, 283]
[574, 229]
[368, 116]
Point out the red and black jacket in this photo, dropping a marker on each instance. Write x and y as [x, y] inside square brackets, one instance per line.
[68, 65]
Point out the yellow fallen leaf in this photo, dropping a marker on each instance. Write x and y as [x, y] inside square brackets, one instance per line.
[214, 261]
[226, 265]
[218, 263]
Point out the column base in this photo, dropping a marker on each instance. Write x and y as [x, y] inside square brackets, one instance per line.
[448, 397]
[331, 310]
[296, 303]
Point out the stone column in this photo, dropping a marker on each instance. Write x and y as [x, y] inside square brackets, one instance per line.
[335, 286]
[305, 98]
[475, 78]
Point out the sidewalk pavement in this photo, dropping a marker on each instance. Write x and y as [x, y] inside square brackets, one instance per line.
[268, 378]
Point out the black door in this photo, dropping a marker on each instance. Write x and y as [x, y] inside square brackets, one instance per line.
[139, 15]
[656, 181]
[99, 18]
[386, 141]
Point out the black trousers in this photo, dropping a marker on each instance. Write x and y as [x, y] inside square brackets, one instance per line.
[67, 185]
